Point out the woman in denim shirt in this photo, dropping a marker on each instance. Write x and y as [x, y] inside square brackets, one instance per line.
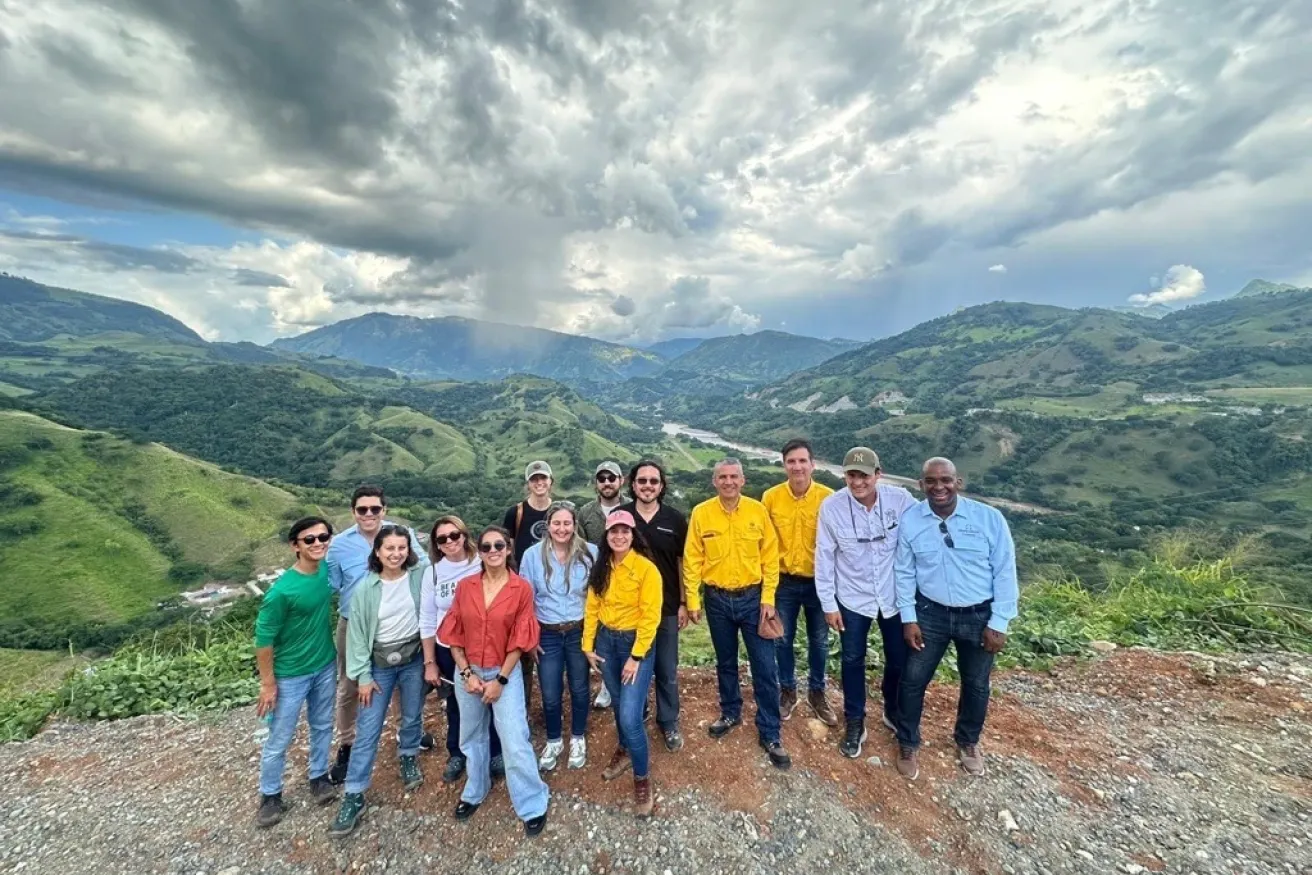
[558, 568]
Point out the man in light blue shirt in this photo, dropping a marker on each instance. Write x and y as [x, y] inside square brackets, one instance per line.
[348, 563]
[956, 582]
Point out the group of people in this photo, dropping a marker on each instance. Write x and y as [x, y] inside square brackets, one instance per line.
[609, 587]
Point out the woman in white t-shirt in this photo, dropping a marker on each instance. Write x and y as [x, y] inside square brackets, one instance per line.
[383, 654]
[455, 557]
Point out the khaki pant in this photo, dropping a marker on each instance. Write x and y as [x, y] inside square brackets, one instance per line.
[348, 703]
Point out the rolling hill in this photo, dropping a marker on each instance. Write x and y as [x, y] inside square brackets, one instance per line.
[31, 312]
[674, 347]
[758, 358]
[1262, 287]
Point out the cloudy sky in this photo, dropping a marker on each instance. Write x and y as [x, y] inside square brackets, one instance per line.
[652, 169]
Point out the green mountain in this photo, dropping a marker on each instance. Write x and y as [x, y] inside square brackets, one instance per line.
[675, 346]
[31, 312]
[451, 348]
[1262, 287]
[97, 528]
[758, 358]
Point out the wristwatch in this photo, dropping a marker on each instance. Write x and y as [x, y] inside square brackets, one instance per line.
[502, 679]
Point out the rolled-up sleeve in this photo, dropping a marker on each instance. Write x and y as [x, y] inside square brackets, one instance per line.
[1006, 584]
[525, 633]
[428, 605]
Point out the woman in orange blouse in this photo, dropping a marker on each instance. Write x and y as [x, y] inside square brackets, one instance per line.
[489, 627]
[619, 625]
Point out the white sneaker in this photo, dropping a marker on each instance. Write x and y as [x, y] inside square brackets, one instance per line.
[550, 753]
[603, 698]
[578, 752]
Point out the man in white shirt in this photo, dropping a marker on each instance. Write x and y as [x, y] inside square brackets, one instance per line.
[856, 544]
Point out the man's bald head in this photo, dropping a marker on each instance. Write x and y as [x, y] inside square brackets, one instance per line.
[940, 482]
[946, 464]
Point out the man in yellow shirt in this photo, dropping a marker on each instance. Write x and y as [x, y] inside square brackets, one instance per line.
[732, 549]
[794, 507]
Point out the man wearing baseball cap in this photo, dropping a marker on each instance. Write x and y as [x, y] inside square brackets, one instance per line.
[856, 545]
[607, 479]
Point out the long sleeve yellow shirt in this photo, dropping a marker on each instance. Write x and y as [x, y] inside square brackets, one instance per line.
[795, 522]
[632, 601]
[731, 550]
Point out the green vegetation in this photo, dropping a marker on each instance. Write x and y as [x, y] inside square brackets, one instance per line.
[756, 359]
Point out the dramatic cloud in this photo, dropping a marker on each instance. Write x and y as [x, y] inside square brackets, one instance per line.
[635, 169]
[1182, 283]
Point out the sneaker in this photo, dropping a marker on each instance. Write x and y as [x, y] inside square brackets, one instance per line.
[348, 816]
[411, 777]
[971, 759]
[819, 703]
[850, 746]
[550, 754]
[465, 810]
[674, 741]
[787, 702]
[908, 765]
[337, 774]
[642, 801]
[779, 757]
[534, 825]
[618, 765]
[498, 767]
[322, 790]
[603, 698]
[427, 742]
[578, 752]
[272, 808]
[721, 727]
[455, 767]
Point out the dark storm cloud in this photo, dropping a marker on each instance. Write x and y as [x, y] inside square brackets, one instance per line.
[72, 249]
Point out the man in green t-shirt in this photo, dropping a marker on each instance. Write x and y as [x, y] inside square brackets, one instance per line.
[297, 657]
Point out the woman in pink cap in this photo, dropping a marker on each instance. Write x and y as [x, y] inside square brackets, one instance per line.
[619, 625]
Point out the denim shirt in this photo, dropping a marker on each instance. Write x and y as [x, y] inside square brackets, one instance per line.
[553, 603]
[348, 563]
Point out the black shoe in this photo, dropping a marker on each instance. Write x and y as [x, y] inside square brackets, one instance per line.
[427, 742]
[411, 777]
[465, 810]
[674, 741]
[348, 816]
[498, 768]
[337, 774]
[720, 728]
[779, 757]
[534, 825]
[322, 790]
[271, 810]
[850, 746]
[455, 767]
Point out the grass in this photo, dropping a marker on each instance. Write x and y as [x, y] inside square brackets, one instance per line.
[27, 671]
[1291, 396]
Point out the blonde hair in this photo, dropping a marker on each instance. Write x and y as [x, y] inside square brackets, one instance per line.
[576, 552]
[435, 552]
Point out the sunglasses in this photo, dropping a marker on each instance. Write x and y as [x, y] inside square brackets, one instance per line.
[370, 509]
[647, 481]
[947, 539]
[307, 540]
[439, 540]
[492, 547]
[606, 478]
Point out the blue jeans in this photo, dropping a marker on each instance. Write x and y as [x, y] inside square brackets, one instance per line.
[628, 700]
[856, 638]
[728, 614]
[446, 665]
[528, 794]
[318, 692]
[794, 595]
[409, 679]
[563, 652]
[940, 625]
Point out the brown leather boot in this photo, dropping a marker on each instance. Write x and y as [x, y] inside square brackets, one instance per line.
[618, 765]
[642, 799]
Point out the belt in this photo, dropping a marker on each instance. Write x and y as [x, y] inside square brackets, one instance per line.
[796, 579]
[562, 627]
[742, 590]
[965, 609]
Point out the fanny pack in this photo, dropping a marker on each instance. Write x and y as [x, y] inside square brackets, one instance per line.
[396, 653]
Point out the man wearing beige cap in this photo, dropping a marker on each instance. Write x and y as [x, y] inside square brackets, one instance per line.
[607, 479]
[856, 544]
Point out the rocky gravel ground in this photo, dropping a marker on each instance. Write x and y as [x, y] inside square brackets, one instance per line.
[1126, 762]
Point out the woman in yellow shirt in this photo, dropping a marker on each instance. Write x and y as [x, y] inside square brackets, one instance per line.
[619, 625]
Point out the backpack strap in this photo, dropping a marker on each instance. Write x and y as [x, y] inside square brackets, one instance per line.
[519, 518]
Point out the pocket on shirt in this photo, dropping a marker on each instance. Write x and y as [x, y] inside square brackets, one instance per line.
[716, 547]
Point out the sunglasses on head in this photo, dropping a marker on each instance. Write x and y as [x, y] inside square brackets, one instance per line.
[492, 547]
[947, 539]
[439, 540]
[606, 477]
[307, 540]
[369, 509]
[647, 481]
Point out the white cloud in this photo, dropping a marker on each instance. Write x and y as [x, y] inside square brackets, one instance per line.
[998, 268]
[1181, 283]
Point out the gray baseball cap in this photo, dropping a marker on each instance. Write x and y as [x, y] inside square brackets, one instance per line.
[536, 468]
[612, 467]
[861, 459]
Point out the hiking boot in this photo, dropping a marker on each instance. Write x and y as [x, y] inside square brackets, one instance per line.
[618, 765]
[908, 765]
[674, 741]
[787, 702]
[322, 790]
[427, 742]
[550, 754]
[578, 752]
[603, 698]
[455, 767]
[971, 759]
[642, 801]
[411, 777]
[337, 774]
[348, 816]
[498, 767]
[720, 728]
[819, 703]
[271, 810]
[850, 746]
[779, 757]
